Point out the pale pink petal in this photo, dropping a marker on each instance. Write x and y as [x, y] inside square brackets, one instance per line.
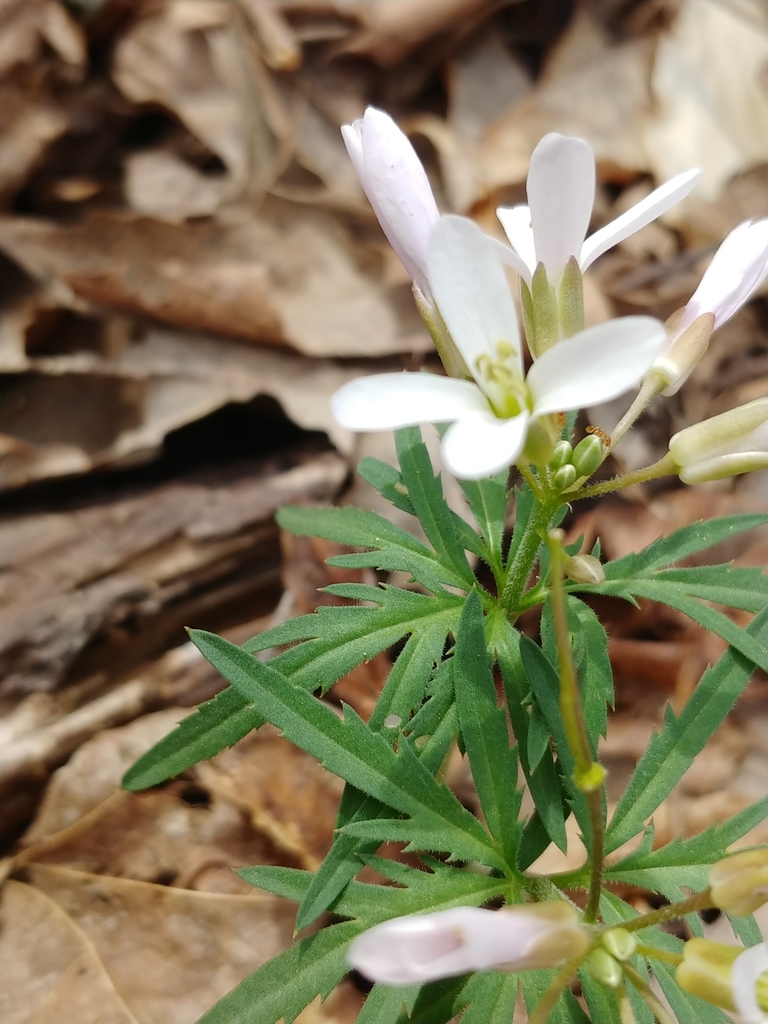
[516, 221]
[398, 189]
[471, 291]
[352, 134]
[747, 968]
[737, 269]
[480, 444]
[561, 192]
[510, 258]
[594, 365]
[647, 210]
[387, 401]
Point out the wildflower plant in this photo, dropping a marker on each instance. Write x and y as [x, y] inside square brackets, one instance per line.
[476, 924]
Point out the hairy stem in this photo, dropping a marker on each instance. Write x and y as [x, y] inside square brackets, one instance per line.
[701, 901]
[651, 1000]
[520, 567]
[664, 467]
[588, 774]
[557, 986]
[652, 385]
[667, 956]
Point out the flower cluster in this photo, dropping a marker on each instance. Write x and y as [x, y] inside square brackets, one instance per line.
[498, 414]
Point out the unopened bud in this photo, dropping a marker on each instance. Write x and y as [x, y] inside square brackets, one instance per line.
[425, 947]
[587, 455]
[584, 569]
[538, 443]
[562, 455]
[726, 445]
[707, 971]
[620, 943]
[544, 303]
[739, 883]
[682, 352]
[570, 299]
[564, 478]
[604, 968]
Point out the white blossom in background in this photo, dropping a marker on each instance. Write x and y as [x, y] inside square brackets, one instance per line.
[491, 416]
[726, 445]
[747, 968]
[552, 228]
[426, 947]
[397, 188]
[737, 269]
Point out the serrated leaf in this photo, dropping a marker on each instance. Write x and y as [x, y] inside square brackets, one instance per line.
[544, 780]
[350, 750]
[684, 862]
[490, 998]
[388, 546]
[437, 1002]
[488, 502]
[484, 727]
[426, 493]
[565, 1011]
[386, 1004]
[285, 985]
[601, 1002]
[387, 481]
[335, 641]
[671, 752]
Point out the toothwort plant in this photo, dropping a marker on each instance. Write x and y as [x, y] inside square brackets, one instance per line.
[428, 938]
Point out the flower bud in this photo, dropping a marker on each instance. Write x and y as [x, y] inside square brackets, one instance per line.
[564, 478]
[710, 971]
[683, 351]
[587, 455]
[425, 947]
[584, 569]
[538, 443]
[603, 968]
[562, 455]
[739, 883]
[726, 445]
[620, 943]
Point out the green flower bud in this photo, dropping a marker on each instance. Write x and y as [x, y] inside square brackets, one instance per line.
[620, 943]
[739, 883]
[707, 972]
[562, 456]
[603, 968]
[587, 455]
[565, 477]
[679, 356]
[584, 568]
[538, 443]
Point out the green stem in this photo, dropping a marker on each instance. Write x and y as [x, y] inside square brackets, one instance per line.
[520, 567]
[542, 1010]
[651, 1000]
[665, 955]
[664, 467]
[588, 774]
[626, 1012]
[701, 901]
[652, 385]
[531, 480]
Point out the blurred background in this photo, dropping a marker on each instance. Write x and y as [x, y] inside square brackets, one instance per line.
[188, 270]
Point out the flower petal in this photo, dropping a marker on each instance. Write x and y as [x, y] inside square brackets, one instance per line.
[642, 213]
[387, 401]
[594, 365]
[479, 445]
[561, 191]
[737, 268]
[471, 291]
[516, 221]
[747, 968]
[510, 258]
[398, 189]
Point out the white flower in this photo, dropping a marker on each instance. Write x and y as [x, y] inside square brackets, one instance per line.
[747, 968]
[425, 947]
[561, 192]
[397, 188]
[491, 417]
[737, 269]
[733, 442]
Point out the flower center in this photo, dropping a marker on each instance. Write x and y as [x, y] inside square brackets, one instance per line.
[503, 386]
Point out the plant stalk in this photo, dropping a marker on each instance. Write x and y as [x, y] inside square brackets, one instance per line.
[664, 467]
[542, 1009]
[520, 567]
[701, 901]
[651, 1000]
[652, 385]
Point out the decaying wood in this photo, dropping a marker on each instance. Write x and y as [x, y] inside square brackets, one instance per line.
[114, 582]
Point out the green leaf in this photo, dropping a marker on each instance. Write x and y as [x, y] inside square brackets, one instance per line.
[543, 780]
[386, 1004]
[284, 986]
[437, 1002]
[684, 862]
[601, 1002]
[565, 1011]
[488, 502]
[387, 481]
[350, 750]
[426, 494]
[483, 725]
[390, 547]
[335, 641]
[490, 998]
[671, 752]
